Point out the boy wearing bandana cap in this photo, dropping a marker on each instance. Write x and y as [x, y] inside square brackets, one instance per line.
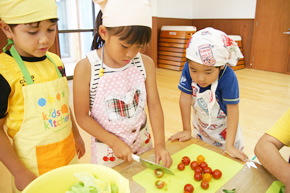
[34, 96]
[210, 86]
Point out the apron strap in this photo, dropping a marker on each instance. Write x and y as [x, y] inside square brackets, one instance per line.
[21, 64]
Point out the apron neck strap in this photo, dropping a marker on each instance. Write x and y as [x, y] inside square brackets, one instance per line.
[21, 64]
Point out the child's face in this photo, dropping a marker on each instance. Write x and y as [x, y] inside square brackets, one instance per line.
[119, 52]
[33, 39]
[203, 75]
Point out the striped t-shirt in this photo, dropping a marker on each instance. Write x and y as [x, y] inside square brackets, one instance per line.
[95, 69]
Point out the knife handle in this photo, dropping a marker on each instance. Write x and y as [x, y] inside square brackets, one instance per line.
[136, 158]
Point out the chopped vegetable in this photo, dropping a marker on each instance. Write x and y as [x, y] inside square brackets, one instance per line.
[90, 184]
[282, 189]
[229, 191]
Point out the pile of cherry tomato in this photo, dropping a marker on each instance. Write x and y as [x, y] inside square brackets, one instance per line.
[202, 172]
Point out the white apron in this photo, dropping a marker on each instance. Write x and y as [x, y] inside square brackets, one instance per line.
[119, 107]
[209, 120]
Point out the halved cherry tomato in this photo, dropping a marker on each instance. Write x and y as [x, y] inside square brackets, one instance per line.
[216, 174]
[158, 173]
[207, 170]
[198, 169]
[203, 165]
[185, 160]
[198, 176]
[200, 158]
[181, 166]
[159, 184]
[204, 185]
[206, 177]
[194, 164]
[189, 188]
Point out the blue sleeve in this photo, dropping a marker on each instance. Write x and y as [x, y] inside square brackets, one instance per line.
[185, 80]
[229, 87]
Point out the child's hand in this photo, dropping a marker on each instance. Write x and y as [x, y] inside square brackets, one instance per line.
[80, 146]
[236, 153]
[122, 150]
[181, 136]
[161, 154]
[23, 178]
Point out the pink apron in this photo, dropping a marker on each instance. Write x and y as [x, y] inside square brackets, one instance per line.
[209, 120]
[119, 107]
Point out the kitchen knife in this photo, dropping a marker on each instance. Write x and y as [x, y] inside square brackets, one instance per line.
[152, 165]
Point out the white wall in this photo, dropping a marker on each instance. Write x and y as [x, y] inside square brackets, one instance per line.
[204, 9]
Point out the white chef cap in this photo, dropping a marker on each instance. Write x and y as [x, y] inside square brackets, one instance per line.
[118, 13]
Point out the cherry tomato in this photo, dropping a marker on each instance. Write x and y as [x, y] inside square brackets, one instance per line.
[217, 174]
[186, 192]
[207, 170]
[198, 169]
[203, 165]
[185, 160]
[204, 185]
[200, 159]
[181, 166]
[159, 184]
[158, 173]
[189, 188]
[194, 164]
[206, 177]
[198, 176]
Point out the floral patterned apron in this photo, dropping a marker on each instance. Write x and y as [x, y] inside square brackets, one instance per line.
[209, 120]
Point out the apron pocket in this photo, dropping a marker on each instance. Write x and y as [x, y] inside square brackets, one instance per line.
[102, 154]
[55, 155]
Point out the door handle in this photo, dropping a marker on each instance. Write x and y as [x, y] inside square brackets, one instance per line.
[287, 32]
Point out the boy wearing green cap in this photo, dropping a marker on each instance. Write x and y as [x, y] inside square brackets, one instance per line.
[34, 98]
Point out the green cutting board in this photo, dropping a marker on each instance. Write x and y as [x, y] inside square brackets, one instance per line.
[275, 187]
[175, 183]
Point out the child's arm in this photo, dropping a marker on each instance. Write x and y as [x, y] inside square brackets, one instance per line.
[79, 143]
[8, 157]
[267, 151]
[81, 93]
[232, 126]
[185, 103]
[155, 113]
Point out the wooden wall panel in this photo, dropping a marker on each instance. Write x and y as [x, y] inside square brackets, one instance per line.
[156, 28]
[3, 40]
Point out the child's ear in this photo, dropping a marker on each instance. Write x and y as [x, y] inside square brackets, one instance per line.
[6, 29]
[103, 32]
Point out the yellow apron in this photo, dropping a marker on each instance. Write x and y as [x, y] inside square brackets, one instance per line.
[45, 140]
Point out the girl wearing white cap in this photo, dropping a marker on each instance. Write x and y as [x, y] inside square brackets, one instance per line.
[34, 97]
[115, 82]
[210, 86]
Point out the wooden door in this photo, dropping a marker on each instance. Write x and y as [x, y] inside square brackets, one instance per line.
[270, 48]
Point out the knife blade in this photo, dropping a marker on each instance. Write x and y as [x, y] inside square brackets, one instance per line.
[151, 165]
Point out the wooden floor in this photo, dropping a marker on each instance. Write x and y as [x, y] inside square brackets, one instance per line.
[264, 97]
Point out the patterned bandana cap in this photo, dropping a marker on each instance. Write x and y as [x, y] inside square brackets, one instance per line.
[27, 11]
[118, 13]
[212, 47]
